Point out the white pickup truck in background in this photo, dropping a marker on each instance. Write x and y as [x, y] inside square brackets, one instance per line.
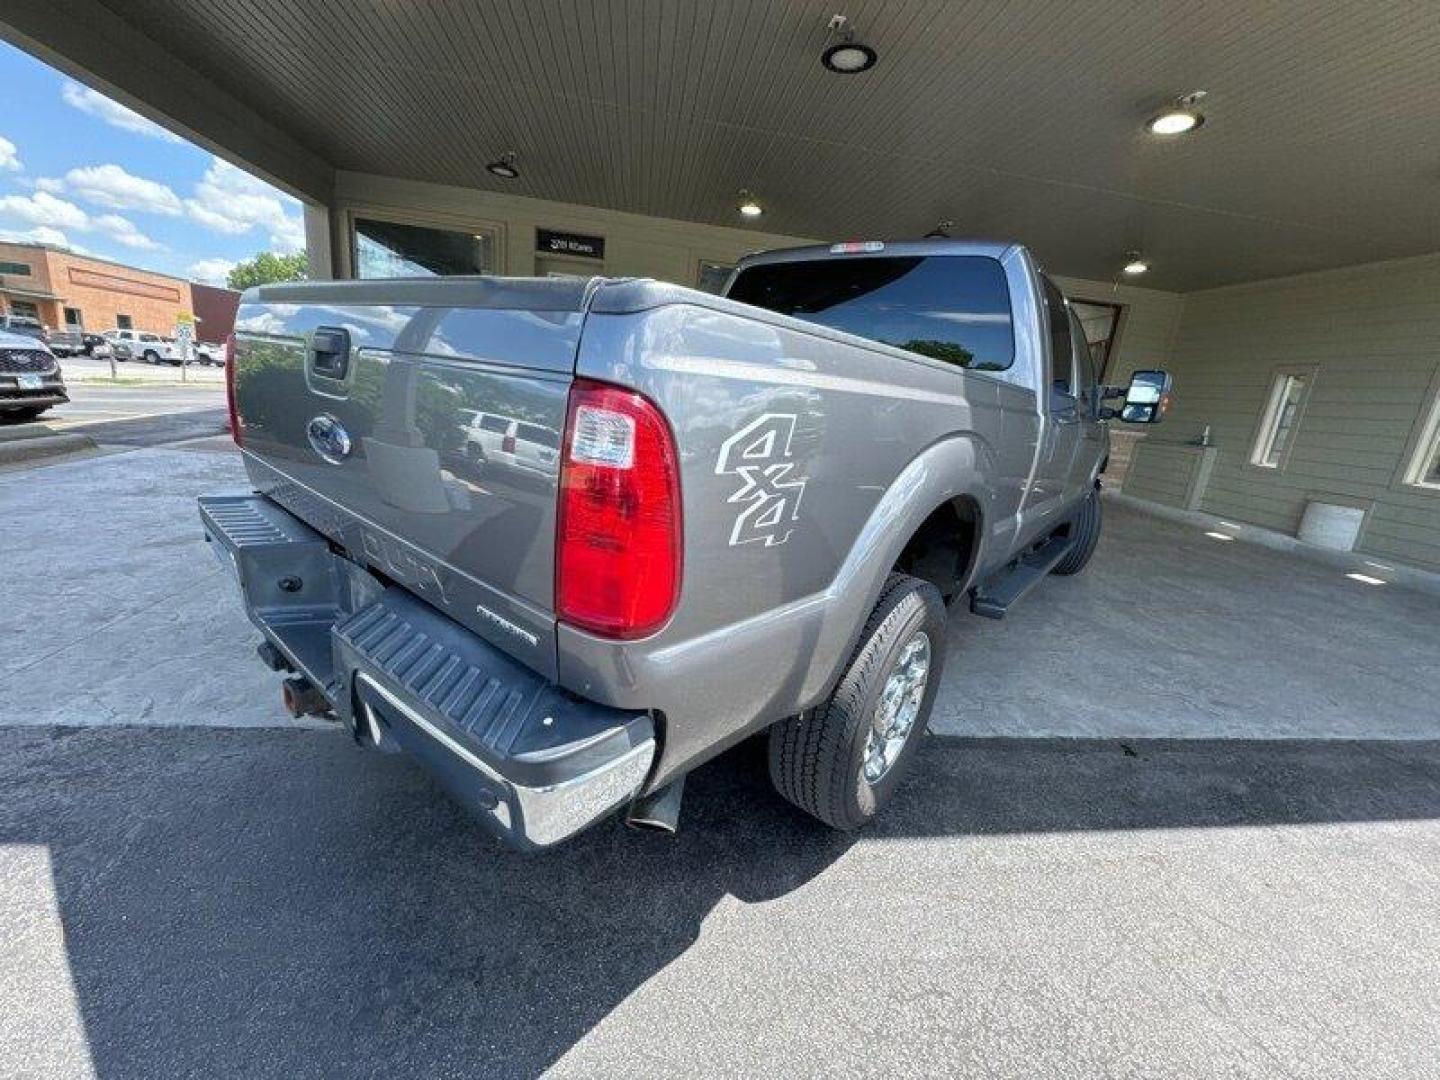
[154, 349]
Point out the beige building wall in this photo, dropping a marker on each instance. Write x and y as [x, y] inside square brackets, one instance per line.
[655, 247]
[634, 245]
[1371, 337]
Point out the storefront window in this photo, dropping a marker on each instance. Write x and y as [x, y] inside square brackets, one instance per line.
[388, 249]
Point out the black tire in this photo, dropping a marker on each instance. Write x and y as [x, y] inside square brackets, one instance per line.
[817, 759]
[24, 415]
[151, 356]
[1086, 531]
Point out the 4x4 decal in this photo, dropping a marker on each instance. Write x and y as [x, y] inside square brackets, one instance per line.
[759, 454]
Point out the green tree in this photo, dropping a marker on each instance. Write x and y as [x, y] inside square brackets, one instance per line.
[268, 267]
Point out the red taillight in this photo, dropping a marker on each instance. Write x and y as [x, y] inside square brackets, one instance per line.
[236, 431]
[617, 559]
[507, 443]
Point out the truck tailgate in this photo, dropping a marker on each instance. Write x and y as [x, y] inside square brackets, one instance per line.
[417, 423]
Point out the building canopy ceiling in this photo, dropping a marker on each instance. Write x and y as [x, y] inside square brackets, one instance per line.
[1014, 120]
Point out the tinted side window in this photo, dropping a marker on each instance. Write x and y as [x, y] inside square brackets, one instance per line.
[498, 424]
[954, 308]
[536, 434]
[1061, 358]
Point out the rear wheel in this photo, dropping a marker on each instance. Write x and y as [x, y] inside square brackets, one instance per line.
[843, 760]
[1085, 531]
[151, 357]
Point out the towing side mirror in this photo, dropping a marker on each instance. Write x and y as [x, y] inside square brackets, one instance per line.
[1147, 399]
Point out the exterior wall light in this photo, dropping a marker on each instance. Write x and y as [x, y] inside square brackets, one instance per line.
[847, 56]
[504, 167]
[748, 206]
[1134, 264]
[1181, 119]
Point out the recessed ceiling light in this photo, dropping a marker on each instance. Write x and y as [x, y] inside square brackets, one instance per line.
[748, 206]
[847, 56]
[1180, 119]
[1134, 264]
[504, 167]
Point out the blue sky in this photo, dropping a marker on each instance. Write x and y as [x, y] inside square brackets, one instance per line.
[79, 170]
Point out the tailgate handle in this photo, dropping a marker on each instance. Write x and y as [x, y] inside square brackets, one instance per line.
[330, 351]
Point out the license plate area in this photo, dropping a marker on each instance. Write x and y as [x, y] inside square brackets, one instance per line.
[30, 382]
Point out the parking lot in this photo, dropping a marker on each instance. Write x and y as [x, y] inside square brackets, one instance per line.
[1165, 823]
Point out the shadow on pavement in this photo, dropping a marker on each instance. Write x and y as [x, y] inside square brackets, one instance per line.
[279, 903]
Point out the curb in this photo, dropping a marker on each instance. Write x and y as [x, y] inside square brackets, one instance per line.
[31, 442]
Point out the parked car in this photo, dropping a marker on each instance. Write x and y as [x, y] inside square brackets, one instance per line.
[30, 378]
[208, 353]
[65, 342]
[144, 346]
[24, 325]
[122, 343]
[760, 508]
[491, 440]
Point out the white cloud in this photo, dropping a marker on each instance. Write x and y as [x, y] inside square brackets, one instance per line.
[123, 231]
[9, 156]
[230, 201]
[211, 271]
[41, 234]
[42, 208]
[52, 214]
[112, 112]
[111, 186]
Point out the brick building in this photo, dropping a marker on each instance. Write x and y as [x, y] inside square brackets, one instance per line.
[66, 291]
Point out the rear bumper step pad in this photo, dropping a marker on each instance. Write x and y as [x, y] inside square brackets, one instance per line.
[532, 761]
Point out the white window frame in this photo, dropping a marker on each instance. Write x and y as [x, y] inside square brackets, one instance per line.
[1269, 426]
[1425, 454]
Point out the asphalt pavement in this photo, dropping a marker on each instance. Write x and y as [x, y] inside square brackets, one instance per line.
[193, 885]
[92, 403]
[278, 904]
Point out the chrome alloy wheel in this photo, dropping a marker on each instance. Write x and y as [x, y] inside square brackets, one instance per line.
[897, 708]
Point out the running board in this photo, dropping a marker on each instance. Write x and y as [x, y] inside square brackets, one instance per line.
[993, 598]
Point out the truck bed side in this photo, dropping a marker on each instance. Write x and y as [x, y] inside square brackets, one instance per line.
[808, 456]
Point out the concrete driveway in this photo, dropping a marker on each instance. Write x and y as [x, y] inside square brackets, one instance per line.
[266, 903]
[191, 884]
[1168, 634]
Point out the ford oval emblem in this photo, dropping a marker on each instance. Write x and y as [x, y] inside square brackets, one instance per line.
[328, 438]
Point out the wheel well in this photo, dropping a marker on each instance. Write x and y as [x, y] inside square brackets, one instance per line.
[943, 549]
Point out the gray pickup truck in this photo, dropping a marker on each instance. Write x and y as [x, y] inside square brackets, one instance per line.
[701, 518]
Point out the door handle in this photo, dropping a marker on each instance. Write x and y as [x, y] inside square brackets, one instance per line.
[330, 351]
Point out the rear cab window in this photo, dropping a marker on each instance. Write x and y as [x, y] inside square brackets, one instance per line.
[951, 308]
